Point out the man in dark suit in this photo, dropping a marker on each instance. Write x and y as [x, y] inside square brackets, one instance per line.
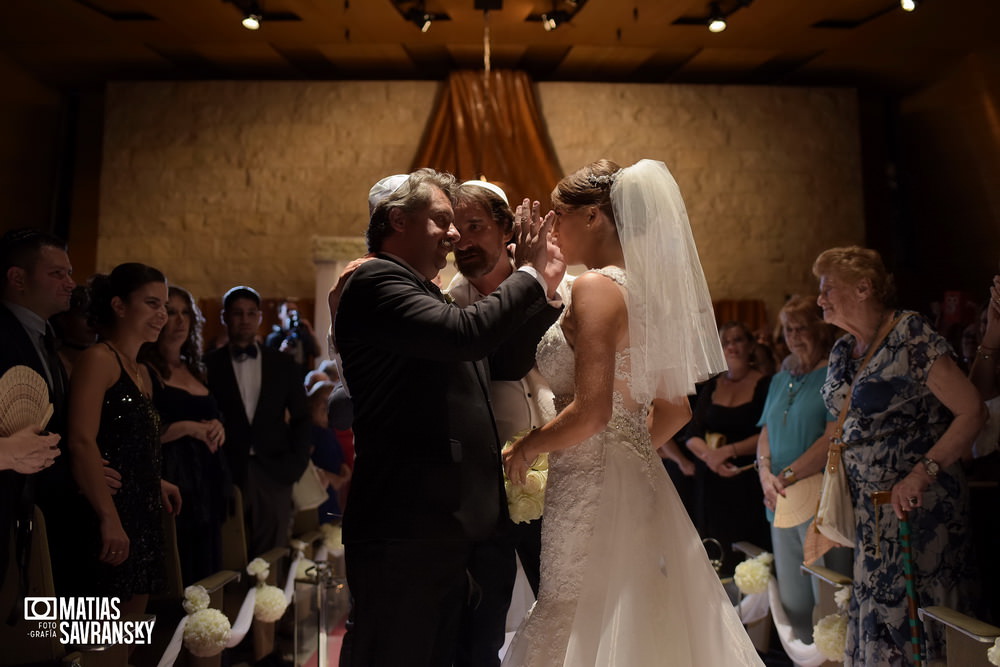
[36, 279]
[255, 387]
[427, 479]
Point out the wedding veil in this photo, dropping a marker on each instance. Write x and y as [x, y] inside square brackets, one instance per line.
[674, 337]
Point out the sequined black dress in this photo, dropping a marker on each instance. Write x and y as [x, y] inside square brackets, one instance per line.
[129, 439]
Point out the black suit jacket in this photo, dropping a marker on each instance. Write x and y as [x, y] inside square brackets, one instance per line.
[426, 452]
[281, 446]
[17, 491]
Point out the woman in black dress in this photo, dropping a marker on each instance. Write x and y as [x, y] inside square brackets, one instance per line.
[728, 496]
[112, 417]
[191, 435]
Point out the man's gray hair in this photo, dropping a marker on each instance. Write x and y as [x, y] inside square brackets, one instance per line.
[412, 195]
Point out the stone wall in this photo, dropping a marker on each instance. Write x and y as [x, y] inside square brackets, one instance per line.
[225, 182]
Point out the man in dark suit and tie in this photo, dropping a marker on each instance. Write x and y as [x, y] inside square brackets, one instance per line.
[36, 279]
[427, 481]
[255, 387]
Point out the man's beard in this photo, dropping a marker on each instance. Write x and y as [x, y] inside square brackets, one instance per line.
[473, 264]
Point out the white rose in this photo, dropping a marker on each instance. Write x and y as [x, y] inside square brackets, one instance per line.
[270, 604]
[195, 599]
[534, 482]
[302, 571]
[830, 636]
[752, 576]
[206, 633]
[842, 597]
[258, 568]
[524, 508]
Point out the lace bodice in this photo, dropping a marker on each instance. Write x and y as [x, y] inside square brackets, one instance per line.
[555, 359]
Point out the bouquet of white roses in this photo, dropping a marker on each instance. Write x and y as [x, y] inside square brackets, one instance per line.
[525, 502]
[830, 632]
[752, 575]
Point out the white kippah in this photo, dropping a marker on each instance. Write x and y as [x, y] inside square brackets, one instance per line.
[492, 187]
[383, 189]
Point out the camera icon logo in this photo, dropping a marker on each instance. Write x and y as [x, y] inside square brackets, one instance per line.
[40, 609]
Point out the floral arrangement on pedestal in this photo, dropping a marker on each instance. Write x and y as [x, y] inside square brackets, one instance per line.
[526, 502]
[753, 575]
[270, 603]
[333, 539]
[207, 630]
[993, 653]
[830, 632]
[302, 572]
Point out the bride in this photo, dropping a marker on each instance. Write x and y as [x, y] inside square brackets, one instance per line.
[624, 578]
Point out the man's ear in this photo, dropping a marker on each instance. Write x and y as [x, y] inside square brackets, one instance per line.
[17, 278]
[397, 219]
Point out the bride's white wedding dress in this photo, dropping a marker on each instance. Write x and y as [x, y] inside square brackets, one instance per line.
[625, 580]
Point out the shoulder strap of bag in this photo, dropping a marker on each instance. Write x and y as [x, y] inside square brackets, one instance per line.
[882, 333]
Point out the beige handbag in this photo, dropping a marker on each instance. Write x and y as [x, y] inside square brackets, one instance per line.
[309, 492]
[835, 516]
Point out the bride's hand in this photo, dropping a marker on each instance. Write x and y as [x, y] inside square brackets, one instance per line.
[517, 462]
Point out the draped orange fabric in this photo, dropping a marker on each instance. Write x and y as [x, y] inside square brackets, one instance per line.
[751, 312]
[489, 125]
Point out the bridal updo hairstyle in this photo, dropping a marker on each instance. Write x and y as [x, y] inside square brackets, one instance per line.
[588, 186]
[121, 282]
[852, 264]
[412, 195]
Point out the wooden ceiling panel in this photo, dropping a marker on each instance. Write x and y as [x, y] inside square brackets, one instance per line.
[866, 42]
[602, 63]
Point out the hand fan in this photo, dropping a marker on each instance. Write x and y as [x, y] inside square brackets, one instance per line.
[24, 400]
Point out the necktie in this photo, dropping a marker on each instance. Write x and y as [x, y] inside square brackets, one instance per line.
[54, 364]
[242, 353]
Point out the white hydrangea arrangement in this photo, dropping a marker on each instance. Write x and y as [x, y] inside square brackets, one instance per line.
[270, 602]
[333, 539]
[526, 502]
[303, 569]
[207, 630]
[753, 575]
[993, 653]
[830, 633]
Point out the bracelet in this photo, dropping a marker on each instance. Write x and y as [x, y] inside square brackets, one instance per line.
[981, 351]
[757, 461]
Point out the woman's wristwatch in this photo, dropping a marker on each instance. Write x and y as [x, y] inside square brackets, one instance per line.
[788, 476]
[931, 466]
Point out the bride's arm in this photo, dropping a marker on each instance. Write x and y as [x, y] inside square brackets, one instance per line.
[666, 418]
[599, 322]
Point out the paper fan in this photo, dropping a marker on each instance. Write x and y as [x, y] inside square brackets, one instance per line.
[24, 400]
[799, 503]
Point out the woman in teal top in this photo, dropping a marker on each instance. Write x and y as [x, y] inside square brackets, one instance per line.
[792, 447]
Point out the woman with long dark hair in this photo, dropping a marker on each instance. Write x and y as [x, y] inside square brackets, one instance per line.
[112, 418]
[192, 434]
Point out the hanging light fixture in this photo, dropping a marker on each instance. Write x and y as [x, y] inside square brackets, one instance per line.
[251, 21]
[716, 19]
[908, 5]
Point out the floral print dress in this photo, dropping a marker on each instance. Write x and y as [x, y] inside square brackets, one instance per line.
[894, 419]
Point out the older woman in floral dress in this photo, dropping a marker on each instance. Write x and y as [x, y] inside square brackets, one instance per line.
[911, 416]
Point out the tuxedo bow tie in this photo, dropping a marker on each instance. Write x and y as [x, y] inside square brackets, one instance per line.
[241, 353]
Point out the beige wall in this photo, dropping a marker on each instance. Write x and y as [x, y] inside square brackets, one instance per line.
[225, 182]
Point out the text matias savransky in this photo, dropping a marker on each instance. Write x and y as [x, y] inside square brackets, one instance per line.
[85, 621]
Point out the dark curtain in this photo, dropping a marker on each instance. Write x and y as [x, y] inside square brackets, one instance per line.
[489, 126]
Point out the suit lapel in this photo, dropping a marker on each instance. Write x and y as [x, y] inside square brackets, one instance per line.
[227, 382]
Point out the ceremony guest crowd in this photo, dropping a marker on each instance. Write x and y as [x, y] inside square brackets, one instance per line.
[146, 420]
